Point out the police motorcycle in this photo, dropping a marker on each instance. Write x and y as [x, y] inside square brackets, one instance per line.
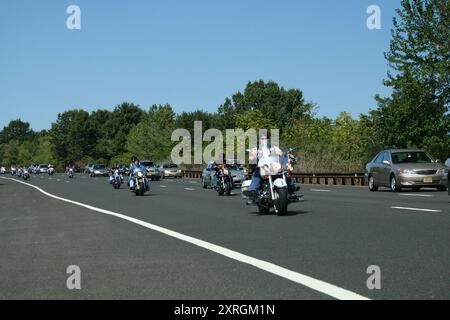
[140, 183]
[70, 173]
[51, 170]
[276, 171]
[224, 182]
[116, 179]
[25, 174]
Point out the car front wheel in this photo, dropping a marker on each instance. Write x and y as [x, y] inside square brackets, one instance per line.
[372, 186]
[394, 185]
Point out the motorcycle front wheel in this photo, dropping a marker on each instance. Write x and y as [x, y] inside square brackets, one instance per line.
[281, 201]
[228, 188]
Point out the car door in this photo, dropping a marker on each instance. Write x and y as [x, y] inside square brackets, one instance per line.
[375, 168]
[385, 169]
[207, 174]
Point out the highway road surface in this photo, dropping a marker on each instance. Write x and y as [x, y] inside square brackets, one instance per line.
[183, 242]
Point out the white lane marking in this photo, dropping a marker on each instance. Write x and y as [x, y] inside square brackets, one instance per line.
[414, 195]
[415, 209]
[58, 180]
[189, 189]
[67, 181]
[312, 283]
[193, 182]
[320, 190]
[163, 186]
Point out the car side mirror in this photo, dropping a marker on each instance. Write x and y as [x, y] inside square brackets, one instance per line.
[438, 161]
[386, 162]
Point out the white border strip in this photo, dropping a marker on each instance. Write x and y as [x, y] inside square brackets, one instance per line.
[315, 284]
[416, 209]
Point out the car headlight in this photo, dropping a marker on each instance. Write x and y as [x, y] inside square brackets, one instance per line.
[407, 171]
[443, 172]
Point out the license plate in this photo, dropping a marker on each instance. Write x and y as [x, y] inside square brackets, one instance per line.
[427, 180]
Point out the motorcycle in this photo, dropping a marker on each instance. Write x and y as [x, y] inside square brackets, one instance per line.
[70, 173]
[51, 170]
[2, 170]
[25, 174]
[224, 182]
[13, 171]
[273, 191]
[19, 173]
[116, 179]
[139, 185]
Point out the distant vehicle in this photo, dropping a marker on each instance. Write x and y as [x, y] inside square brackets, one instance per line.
[152, 171]
[207, 175]
[237, 171]
[124, 168]
[397, 169]
[25, 174]
[447, 163]
[70, 172]
[34, 168]
[170, 170]
[88, 167]
[51, 170]
[99, 170]
[2, 170]
[43, 168]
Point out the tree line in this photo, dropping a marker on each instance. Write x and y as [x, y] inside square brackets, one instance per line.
[415, 115]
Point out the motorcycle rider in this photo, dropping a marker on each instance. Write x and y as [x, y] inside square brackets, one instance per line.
[114, 172]
[218, 165]
[265, 150]
[136, 165]
[70, 167]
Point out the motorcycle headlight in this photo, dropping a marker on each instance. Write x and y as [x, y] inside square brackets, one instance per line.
[140, 174]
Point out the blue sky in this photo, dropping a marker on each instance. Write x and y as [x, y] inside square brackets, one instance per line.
[191, 54]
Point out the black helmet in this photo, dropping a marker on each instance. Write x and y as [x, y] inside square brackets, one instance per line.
[134, 158]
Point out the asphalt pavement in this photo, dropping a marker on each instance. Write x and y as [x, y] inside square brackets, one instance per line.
[183, 242]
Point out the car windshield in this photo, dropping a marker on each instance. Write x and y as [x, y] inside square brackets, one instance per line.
[147, 164]
[99, 166]
[44, 165]
[234, 167]
[170, 166]
[411, 157]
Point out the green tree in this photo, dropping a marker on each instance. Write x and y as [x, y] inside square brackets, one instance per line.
[279, 106]
[417, 113]
[151, 139]
[16, 130]
[72, 136]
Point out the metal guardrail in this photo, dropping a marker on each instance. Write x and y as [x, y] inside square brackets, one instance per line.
[343, 179]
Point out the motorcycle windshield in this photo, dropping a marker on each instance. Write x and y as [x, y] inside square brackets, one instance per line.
[271, 165]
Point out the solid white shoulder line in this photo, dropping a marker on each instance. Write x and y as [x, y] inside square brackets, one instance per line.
[315, 284]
